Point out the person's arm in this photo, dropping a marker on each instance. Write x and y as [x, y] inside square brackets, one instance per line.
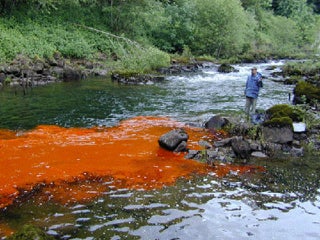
[260, 83]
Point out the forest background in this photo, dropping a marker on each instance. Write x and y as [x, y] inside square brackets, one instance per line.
[143, 35]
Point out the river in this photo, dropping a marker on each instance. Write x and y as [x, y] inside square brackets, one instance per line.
[282, 202]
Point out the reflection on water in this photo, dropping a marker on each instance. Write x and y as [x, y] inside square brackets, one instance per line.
[248, 206]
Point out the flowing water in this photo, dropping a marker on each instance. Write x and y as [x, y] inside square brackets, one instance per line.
[81, 161]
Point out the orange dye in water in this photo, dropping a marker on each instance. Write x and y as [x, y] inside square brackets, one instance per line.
[73, 164]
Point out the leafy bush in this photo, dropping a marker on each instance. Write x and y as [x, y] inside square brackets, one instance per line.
[306, 68]
[222, 28]
[284, 111]
[279, 122]
[311, 92]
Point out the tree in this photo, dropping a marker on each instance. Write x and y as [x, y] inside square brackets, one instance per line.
[222, 28]
[174, 31]
[315, 5]
[265, 4]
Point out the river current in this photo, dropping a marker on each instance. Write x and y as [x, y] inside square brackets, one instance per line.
[282, 202]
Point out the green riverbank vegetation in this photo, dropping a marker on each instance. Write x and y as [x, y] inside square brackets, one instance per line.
[142, 35]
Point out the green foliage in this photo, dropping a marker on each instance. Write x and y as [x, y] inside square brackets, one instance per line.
[253, 4]
[301, 13]
[277, 36]
[141, 60]
[175, 30]
[222, 28]
[311, 92]
[279, 122]
[235, 30]
[306, 68]
[284, 111]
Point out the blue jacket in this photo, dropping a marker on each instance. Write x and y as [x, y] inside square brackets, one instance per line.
[253, 85]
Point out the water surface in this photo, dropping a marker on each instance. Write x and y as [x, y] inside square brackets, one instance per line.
[281, 202]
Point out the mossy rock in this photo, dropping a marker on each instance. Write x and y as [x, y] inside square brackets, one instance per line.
[285, 110]
[292, 80]
[226, 68]
[29, 232]
[279, 122]
[311, 92]
[292, 70]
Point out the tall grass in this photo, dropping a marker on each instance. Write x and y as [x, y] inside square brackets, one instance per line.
[39, 35]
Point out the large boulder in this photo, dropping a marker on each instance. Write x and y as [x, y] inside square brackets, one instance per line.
[241, 147]
[216, 122]
[175, 140]
[226, 68]
[71, 74]
[280, 135]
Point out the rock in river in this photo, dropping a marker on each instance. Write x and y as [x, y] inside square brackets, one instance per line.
[172, 140]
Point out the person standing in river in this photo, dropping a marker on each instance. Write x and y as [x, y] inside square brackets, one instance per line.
[253, 85]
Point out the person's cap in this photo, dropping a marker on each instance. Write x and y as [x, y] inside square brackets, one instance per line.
[254, 68]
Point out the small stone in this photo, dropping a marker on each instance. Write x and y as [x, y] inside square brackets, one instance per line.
[192, 154]
[223, 143]
[258, 155]
[182, 147]
[297, 152]
[205, 144]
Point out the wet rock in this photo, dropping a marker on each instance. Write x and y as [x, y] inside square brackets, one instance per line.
[14, 70]
[205, 144]
[133, 78]
[226, 68]
[100, 72]
[71, 74]
[216, 122]
[38, 67]
[223, 143]
[271, 68]
[2, 77]
[173, 139]
[278, 134]
[193, 154]
[56, 72]
[177, 68]
[241, 147]
[182, 147]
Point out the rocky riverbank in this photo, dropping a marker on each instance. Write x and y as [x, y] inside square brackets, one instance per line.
[24, 72]
[246, 140]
